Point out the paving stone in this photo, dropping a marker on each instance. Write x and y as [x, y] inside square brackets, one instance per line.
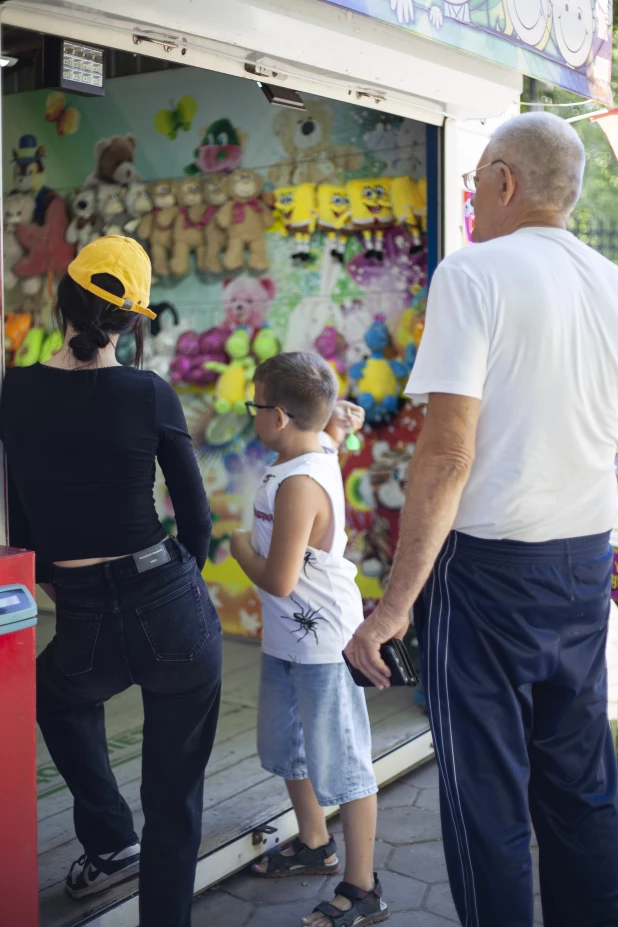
[429, 799]
[218, 908]
[399, 795]
[425, 776]
[274, 891]
[424, 861]
[418, 919]
[413, 825]
[440, 901]
[273, 915]
[400, 892]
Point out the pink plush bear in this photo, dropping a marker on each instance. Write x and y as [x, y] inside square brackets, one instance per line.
[246, 301]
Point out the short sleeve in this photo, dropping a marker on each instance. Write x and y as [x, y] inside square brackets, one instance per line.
[453, 353]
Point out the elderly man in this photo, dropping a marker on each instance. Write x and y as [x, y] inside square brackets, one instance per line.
[504, 543]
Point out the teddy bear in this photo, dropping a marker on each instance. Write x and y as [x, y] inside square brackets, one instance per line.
[245, 218]
[187, 233]
[245, 302]
[138, 203]
[215, 239]
[17, 208]
[157, 228]
[111, 208]
[310, 158]
[113, 158]
[86, 223]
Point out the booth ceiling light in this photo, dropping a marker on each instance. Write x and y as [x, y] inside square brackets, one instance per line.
[282, 96]
[6, 61]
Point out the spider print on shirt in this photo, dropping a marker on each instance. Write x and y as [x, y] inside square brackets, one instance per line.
[307, 620]
[310, 560]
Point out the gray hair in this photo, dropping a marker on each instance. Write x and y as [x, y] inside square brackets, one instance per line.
[549, 156]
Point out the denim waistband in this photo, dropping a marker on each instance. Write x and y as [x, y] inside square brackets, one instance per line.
[592, 545]
[123, 568]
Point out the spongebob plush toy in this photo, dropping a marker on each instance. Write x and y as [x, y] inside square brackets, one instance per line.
[335, 217]
[378, 386]
[408, 205]
[372, 212]
[234, 384]
[295, 213]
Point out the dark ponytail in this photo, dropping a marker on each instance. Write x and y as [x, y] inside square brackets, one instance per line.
[94, 319]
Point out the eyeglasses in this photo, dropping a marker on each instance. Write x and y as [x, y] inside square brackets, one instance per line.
[252, 408]
[470, 179]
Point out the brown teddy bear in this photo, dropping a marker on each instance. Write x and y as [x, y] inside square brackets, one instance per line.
[305, 138]
[215, 239]
[158, 227]
[188, 234]
[113, 158]
[245, 218]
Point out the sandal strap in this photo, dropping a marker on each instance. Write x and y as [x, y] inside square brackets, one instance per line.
[335, 914]
[363, 903]
[303, 855]
[353, 893]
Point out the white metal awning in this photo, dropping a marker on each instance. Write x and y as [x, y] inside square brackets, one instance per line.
[311, 46]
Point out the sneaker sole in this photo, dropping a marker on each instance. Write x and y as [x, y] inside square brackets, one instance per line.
[101, 885]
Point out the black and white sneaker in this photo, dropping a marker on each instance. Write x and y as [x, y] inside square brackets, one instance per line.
[92, 874]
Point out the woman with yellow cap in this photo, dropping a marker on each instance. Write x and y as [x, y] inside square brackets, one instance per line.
[82, 434]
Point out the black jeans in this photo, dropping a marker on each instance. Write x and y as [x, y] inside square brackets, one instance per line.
[116, 627]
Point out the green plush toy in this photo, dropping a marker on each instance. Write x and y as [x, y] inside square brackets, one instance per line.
[265, 345]
[233, 386]
[51, 346]
[30, 349]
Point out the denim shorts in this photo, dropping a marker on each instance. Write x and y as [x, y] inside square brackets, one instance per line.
[313, 724]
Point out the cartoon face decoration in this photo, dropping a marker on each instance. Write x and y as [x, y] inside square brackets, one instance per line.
[370, 201]
[296, 205]
[333, 205]
[220, 150]
[531, 20]
[574, 29]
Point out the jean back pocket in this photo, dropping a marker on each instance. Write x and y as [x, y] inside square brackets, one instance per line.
[76, 639]
[175, 624]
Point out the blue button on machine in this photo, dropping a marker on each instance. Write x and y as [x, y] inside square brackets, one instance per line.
[18, 609]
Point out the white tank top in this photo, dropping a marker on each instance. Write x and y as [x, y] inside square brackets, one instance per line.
[315, 622]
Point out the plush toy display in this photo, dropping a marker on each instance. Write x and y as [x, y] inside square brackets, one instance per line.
[233, 386]
[30, 349]
[265, 345]
[18, 208]
[138, 203]
[157, 228]
[159, 349]
[378, 384]
[51, 345]
[220, 150]
[188, 232]
[47, 252]
[335, 217]
[245, 218]
[86, 224]
[408, 205]
[113, 158]
[193, 351]
[16, 327]
[372, 212]
[295, 213]
[422, 192]
[215, 239]
[332, 345]
[29, 175]
[246, 301]
[111, 208]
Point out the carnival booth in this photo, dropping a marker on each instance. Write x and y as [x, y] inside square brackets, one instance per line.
[156, 127]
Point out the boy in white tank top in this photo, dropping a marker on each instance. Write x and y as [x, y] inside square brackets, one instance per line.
[313, 726]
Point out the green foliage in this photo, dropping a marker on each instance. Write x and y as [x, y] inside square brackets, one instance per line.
[599, 198]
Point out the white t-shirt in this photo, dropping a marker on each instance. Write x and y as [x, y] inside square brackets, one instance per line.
[528, 324]
[315, 622]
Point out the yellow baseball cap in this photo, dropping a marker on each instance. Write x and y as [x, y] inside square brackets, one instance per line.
[124, 259]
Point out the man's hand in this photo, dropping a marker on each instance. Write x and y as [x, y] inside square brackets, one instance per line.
[363, 651]
[240, 542]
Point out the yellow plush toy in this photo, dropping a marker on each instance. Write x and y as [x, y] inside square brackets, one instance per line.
[295, 212]
[335, 217]
[371, 212]
[233, 387]
[422, 190]
[408, 205]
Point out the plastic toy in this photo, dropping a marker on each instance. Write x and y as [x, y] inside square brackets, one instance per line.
[372, 212]
[408, 205]
[335, 217]
[332, 345]
[232, 389]
[353, 442]
[378, 379]
[295, 213]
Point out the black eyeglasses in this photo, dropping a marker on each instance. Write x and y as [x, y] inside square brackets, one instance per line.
[252, 408]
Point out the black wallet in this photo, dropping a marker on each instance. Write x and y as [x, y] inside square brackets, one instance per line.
[395, 655]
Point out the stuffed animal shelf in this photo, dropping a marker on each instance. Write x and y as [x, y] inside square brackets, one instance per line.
[372, 212]
[157, 228]
[408, 208]
[188, 230]
[215, 239]
[233, 386]
[378, 385]
[86, 223]
[335, 217]
[245, 218]
[332, 346]
[295, 214]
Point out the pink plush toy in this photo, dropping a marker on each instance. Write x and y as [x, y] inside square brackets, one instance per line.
[245, 302]
[331, 345]
[193, 351]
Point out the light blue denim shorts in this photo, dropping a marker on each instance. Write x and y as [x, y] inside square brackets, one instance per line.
[313, 724]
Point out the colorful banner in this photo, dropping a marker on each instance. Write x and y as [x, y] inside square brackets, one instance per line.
[609, 123]
[565, 43]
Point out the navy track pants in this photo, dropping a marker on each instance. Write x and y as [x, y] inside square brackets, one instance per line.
[513, 637]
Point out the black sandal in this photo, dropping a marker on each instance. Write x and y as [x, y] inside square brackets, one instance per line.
[367, 907]
[305, 861]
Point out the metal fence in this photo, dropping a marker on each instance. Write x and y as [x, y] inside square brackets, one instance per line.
[602, 236]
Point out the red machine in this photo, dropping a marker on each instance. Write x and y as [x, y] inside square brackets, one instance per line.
[19, 901]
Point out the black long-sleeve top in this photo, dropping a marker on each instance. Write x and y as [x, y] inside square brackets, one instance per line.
[81, 447]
